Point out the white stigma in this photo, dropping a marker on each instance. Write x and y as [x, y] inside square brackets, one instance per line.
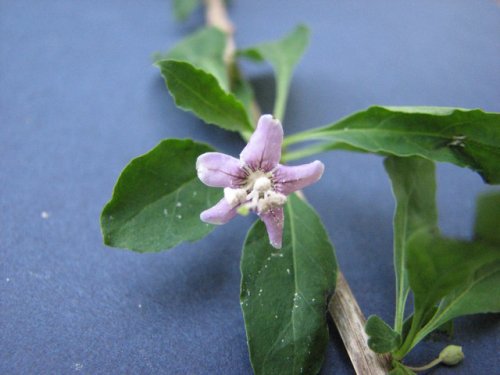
[262, 184]
[235, 196]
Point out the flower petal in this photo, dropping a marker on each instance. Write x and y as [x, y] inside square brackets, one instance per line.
[274, 220]
[219, 170]
[292, 178]
[219, 214]
[263, 150]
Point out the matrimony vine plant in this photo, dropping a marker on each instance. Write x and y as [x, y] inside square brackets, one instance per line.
[288, 267]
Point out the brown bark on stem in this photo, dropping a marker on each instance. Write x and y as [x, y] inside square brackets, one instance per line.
[343, 307]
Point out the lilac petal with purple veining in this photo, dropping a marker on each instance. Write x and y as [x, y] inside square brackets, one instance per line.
[219, 170]
[263, 150]
[221, 213]
[274, 219]
[262, 193]
[292, 178]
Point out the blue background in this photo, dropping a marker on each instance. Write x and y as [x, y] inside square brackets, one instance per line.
[79, 98]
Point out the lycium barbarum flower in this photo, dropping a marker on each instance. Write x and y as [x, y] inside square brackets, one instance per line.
[256, 181]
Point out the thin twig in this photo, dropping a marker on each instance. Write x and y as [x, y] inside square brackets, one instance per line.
[216, 15]
[343, 306]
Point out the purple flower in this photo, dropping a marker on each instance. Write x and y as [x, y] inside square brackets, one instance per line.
[256, 181]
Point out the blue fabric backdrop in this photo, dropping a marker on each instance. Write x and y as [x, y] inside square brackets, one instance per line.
[79, 98]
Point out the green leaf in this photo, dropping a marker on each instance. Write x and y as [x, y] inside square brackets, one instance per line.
[158, 198]
[284, 293]
[487, 227]
[204, 50]
[414, 188]
[467, 138]
[199, 92]
[382, 338]
[463, 277]
[183, 8]
[283, 55]
[479, 289]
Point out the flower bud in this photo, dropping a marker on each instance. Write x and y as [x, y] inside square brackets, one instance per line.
[451, 355]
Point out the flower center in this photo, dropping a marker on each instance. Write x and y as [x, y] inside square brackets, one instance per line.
[255, 194]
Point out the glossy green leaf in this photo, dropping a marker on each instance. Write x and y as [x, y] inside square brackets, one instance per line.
[382, 338]
[467, 138]
[284, 293]
[479, 289]
[199, 92]
[158, 198]
[183, 8]
[204, 50]
[414, 188]
[283, 55]
[463, 277]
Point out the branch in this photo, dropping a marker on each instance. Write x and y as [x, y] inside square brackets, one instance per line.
[343, 307]
[350, 323]
[216, 15]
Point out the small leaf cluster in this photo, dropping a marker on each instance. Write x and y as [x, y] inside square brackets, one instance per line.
[284, 295]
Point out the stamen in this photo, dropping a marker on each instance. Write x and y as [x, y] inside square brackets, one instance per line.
[235, 196]
[263, 205]
[276, 199]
